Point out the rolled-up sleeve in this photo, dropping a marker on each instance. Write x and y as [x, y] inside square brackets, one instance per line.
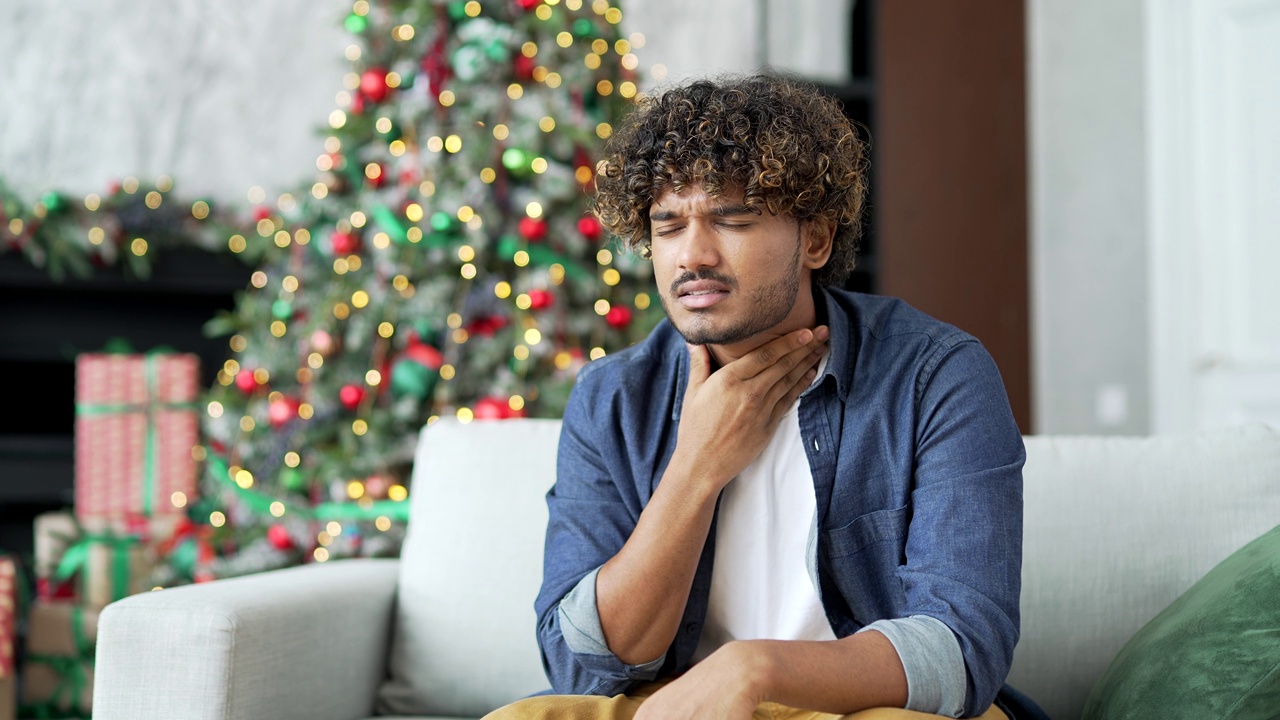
[932, 661]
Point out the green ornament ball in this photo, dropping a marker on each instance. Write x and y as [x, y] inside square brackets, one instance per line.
[515, 159]
[356, 24]
[508, 245]
[497, 51]
[293, 480]
[441, 221]
[53, 202]
[282, 309]
[583, 27]
[412, 379]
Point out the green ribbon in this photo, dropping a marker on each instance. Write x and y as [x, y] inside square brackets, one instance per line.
[64, 701]
[150, 408]
[261, 503]
[76, 558]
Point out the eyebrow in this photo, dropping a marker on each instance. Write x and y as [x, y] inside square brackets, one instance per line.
[718, 211]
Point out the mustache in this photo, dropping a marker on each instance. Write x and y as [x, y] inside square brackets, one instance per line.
[706, 274]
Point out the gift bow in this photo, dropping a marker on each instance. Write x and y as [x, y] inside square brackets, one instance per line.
[76, 558]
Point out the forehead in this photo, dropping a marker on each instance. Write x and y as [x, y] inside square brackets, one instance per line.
[694, 201]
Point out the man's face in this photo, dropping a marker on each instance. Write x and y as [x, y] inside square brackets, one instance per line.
[724, 273]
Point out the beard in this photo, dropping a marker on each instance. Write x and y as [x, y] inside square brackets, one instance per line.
[764, 308]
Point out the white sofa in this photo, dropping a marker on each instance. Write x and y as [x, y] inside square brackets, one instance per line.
[1115, 529]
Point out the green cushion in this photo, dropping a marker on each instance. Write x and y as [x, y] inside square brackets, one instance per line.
[1213, 653]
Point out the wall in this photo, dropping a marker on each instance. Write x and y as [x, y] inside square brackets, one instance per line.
[225, 96]
[1089, 236]
[220, 96]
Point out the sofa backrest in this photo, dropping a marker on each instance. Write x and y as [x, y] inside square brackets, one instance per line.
[1115, 529]
[463, 638]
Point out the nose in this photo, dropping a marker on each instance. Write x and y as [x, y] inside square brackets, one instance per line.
[699, 247]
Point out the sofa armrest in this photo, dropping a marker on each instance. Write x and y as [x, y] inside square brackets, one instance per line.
[307, 642]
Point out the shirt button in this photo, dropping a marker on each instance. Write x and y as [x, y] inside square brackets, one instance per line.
[691, 627]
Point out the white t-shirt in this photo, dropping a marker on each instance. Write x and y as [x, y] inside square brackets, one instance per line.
[760, 584]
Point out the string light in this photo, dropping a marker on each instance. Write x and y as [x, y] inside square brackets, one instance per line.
[373, 378]
[91, 202]
[465, 415]
[178, 499]
[277, 509]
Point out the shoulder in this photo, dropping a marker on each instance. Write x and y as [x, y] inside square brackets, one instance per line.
[890, 342]
[879, 318]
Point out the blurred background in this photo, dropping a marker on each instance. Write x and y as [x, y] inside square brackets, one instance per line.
[1091, 187]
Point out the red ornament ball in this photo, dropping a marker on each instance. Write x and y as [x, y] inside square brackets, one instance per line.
[281, 411]
[351, 396]
[373, 84]
[246, 382]
[540, 299]
[376, 486]
[344, 243]
[589, 227]
[491, 408]
[523, 67]
[424, 355]
[279, 538]
[322, 342]
[261, 213]
[529, 4]
[619, 316]
[378, 177]
[533, 229]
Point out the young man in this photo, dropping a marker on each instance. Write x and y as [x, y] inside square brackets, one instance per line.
[788, 497]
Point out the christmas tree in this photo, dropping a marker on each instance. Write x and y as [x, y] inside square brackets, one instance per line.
[444, 263]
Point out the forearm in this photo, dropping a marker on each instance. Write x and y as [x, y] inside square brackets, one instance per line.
[641, 591]
[840, 676]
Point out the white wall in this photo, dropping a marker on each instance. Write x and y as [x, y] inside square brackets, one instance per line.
[225, 96]
[1088, 229]
[220, 96]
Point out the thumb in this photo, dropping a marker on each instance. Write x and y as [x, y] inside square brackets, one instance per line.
[699, 365]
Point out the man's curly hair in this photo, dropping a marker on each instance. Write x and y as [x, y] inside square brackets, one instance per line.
[788, 147]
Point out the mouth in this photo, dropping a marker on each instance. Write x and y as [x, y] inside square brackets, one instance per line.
[700, 294]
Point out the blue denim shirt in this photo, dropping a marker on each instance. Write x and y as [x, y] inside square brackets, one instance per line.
[917, 469]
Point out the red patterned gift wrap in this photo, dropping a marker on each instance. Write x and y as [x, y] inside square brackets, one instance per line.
[135, 427]
[8, 628]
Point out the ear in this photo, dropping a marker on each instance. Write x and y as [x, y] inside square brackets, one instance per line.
[817, 236]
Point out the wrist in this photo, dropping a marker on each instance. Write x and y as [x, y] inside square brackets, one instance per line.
[756, 666]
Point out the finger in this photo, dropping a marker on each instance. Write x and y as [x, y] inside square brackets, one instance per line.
[792, 393]
[773, 353]
[780, 395]
[796, 355]
[699, 366]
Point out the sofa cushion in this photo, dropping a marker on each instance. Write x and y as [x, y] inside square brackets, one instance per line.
[1115, 529]
[1213, 653]
[464, 638]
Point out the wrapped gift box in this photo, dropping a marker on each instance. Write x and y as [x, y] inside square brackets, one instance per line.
[57, 678]
[54, 533]
[8, 633]
[100, 559]
[58, 687]
[135, 426]
[61, 629]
